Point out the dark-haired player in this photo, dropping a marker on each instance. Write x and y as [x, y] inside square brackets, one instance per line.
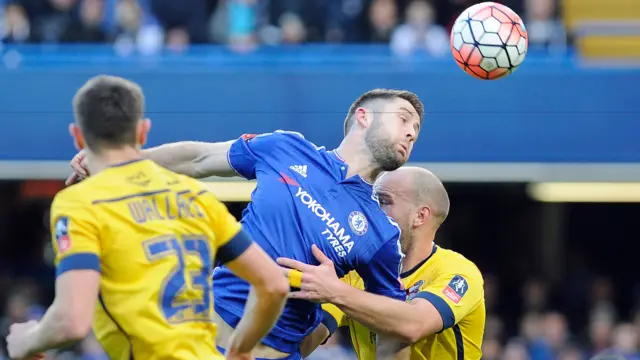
[308, 195]
[135, 246]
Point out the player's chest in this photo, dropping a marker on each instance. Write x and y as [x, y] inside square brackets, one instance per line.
[339, 211]
[340, 220]
[318, 191]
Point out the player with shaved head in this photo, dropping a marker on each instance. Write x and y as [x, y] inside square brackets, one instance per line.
[444, 314]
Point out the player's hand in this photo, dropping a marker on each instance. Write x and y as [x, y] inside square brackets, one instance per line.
[79, 166]
[17, 341]
[319, 283]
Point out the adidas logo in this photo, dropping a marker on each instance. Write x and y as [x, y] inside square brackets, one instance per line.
[300, 169]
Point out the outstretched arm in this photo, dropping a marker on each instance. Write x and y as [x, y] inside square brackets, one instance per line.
[380, 313]
[193, 158]
[408, 322]
[201, 159]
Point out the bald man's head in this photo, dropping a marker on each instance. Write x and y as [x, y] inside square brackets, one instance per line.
[418, 187]
[430, 192]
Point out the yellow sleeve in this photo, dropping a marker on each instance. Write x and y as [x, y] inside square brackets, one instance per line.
[75, 234]
[333, 317]
[230, 240]
[454, 293]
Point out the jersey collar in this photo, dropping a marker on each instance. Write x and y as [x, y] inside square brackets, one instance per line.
[333, 154]
[410, 272]
[125, 163]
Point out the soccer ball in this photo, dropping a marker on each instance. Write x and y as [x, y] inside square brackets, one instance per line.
[489, 41]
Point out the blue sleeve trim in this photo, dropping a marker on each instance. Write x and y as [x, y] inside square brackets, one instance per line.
[234, 248]
[230, 163]
[448, 319]
[79, 261]
[330, 322]
[241, 159]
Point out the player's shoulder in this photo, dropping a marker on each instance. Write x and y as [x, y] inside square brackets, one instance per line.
[283, 138]
[382, 235]
[74, 203]
[370, 222]
[297, 139]
[386, 224]
[449, 260]
[387, 228]
[78, 195]
[286, 134]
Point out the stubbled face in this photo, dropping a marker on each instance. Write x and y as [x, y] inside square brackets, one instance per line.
[395, 198]
[392, 133]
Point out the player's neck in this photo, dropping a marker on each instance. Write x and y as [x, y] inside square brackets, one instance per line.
[359, 162]
[108, 158]
[421, 248]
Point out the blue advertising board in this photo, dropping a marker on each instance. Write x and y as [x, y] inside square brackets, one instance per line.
[551, 110]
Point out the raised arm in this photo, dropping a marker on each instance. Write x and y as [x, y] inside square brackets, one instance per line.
[192, 158]
[231, 158]
[196, 159]
[202, 159]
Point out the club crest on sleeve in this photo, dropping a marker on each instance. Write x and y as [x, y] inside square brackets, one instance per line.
[62, 234]
[456, 289]
[247, 137]
[414, 289]
[358, 223]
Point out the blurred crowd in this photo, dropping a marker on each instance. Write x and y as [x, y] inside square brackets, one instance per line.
[150, 25]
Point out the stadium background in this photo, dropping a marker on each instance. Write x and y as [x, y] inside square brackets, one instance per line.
[534, 163]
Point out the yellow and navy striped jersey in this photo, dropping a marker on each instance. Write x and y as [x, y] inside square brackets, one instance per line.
[153, 235]
[454, 285]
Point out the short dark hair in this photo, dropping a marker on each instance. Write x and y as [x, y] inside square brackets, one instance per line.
[377, 94]
[107, 110]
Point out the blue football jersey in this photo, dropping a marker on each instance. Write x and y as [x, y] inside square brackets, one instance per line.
[302, 198]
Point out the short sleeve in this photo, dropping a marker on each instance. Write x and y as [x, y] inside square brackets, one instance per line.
[230, 240]
[381, 275]
[454, 294]
[250, 149]
[75, 235]
[333, 317]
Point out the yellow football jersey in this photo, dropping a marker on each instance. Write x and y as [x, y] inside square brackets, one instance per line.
[363, 340]
[454, 285]
[153, 235]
